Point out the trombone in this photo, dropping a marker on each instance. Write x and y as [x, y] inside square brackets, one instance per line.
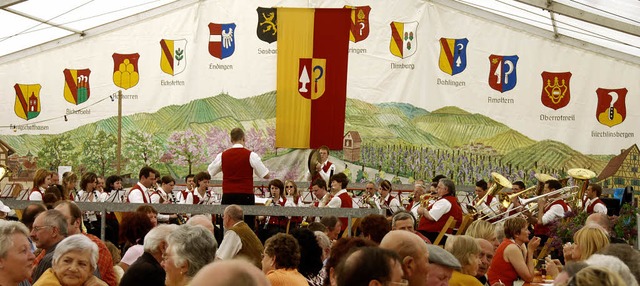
[525, 202]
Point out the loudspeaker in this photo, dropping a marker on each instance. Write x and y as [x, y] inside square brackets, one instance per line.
[613, 206]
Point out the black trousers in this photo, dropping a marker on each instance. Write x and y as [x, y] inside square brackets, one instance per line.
[243, 200]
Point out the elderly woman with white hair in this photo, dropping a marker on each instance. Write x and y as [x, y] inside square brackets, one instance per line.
[16, 258]
[189, 249]
[74, 262]
[146, 270]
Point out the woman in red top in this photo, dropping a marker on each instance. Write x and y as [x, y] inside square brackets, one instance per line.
[513, 259]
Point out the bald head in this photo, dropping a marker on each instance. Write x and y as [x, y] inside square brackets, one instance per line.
[404, 243]
[234, 272]
[201, 220]
[599, 219]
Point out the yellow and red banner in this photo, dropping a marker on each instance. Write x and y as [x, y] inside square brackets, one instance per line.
[313, 47]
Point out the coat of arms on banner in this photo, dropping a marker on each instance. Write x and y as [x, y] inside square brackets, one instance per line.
[502, 72]
[555, 89]
[359, 23]
[173, 57]
[221, 40]
[611, 108]
[267, 29]
[311, 80]
[27, 104]
[453, 55]
[125, 70]
[404, 40]
[76, 85]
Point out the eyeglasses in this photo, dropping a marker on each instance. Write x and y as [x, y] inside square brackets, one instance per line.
[403, 282]
[288, 187]
[38, 228]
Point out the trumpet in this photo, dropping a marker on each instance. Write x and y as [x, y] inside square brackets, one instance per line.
[371, 200]
[524, 202]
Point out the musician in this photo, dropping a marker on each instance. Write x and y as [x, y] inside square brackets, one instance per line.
[164, 195]
[319, 191]
[139, 193]
[435, 216]
[238, 164]
[324, 168]
[517, 186]
[418, 190]
[387, 201]
[41, 181]
[201, 193]
[550, 209]
[293, 200]
[491, 206]
[341, 199]
[88, 193]
[189, 182]
[275, 224]
[591, 202]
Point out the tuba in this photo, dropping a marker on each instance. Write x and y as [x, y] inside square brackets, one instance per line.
[581, 175]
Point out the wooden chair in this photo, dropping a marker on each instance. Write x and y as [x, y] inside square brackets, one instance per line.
[545, 249]
[355, 223]
[450, 224]
[466, 221]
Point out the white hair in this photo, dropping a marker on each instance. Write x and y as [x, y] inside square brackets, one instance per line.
[194, 244]
[78, 243]
[614, 264]
[7, 229]
[323, 240]
[157, 236]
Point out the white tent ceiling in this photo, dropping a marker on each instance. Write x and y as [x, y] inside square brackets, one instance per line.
[611, 27]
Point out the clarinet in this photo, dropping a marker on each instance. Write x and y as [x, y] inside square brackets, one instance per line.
[181, 219]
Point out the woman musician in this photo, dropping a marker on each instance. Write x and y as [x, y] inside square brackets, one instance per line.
[387, 201]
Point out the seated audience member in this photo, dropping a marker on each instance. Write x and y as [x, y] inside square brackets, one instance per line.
[513, 258]
[147, 270]
[486, 256]
[317, 226]
[403, 220]
[203, 221]
[586, 241]
[280, 261]
[233, 272]
[614, 264]
[325, 243]
[116, 256]
[333, 224]
[30, 213]
[151, 212]
[369, 265]
[16, 258]
[74, 262]
[467, 251]
[189, 248]
[441, 267]
[604, 221]
[628, 255]
[49, 228]
[485, 230]
[73, 215]
[593, 275]
[568, 272]
[414, 253]
[239, 239]
[310, 256]
[375, 227]
[339, 250]
[133, 229]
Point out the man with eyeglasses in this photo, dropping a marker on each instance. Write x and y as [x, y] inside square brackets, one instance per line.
[49, 228]
[413, 252]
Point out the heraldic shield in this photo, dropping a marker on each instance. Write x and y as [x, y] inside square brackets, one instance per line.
[267, 29]
[404, 42]
[611, 109]
[27, 104]
[359, 23]
[453, 55]
[555, 89]
[125, 70]
[222, 40]
[502, 72]
[173, 56]
[76, 85]
[311, 80]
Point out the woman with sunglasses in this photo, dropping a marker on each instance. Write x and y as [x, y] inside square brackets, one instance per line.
[293, 199]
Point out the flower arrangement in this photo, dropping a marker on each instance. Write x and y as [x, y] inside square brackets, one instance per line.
[625, 226]
[562, 230]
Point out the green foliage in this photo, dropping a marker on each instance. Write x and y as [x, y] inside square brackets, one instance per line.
[142, 149]
[625, 226]
[57, 151]
[99, 153]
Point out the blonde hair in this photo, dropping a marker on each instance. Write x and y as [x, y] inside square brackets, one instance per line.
[482, 229]
[596, 275]
[462, 247]
[590, 239]
[296, 193]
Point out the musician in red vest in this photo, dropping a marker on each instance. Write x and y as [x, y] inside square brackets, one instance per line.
[41, 181]
[436, 215]
[341, 199]
[324, 169]
[238, 164]
[419, 189]
[490, 207]
[139, 193]
[388, 202]
[550, 209]
[591, 202]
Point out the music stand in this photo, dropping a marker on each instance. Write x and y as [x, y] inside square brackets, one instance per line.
[6, 193]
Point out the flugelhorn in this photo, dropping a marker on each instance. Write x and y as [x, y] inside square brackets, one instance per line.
[583, 175]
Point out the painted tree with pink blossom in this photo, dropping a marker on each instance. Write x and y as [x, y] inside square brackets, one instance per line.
[185, 149]
[217, 140]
